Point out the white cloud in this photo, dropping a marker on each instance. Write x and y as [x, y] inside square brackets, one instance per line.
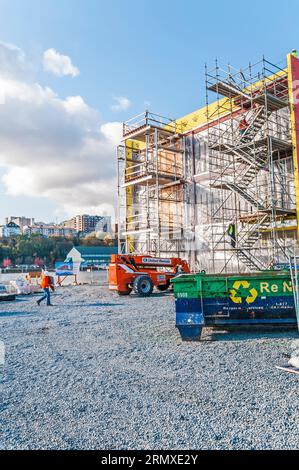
[113, 132]
[56, 148]
[12, 60]
[121, 103]
[59, 64]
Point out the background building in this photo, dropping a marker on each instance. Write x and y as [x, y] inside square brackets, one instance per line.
[91, 255]
[21, 221]
[50, 231]
[90, 223]
[10, 229]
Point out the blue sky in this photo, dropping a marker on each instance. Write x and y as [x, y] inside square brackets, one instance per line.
[149, 52]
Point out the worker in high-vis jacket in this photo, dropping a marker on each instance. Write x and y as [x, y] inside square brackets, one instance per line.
[294, 53]
[46, 285]
[178, 270]
[243, 125]
[232, 234]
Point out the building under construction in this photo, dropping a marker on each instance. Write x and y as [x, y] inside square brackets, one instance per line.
[220, 186]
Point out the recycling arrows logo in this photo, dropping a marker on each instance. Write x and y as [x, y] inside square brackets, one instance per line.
[235, 295]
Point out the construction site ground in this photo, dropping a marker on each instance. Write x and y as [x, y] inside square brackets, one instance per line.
[99, 371]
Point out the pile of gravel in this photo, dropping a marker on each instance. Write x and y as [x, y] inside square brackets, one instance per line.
[98, 371]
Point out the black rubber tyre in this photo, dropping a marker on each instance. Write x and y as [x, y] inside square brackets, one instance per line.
[143, 286]
[164, 288]
[127, 292]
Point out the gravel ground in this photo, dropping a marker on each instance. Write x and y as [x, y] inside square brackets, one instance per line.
[98, 371]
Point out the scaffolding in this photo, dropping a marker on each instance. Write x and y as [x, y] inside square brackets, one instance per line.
[250, 167]
[216, 188]
[153, 174]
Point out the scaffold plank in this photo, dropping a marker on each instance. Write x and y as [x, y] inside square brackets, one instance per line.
[227, 89]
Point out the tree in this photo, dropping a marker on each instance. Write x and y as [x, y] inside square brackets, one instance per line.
[91, 240]
[6, 263]
[36, 249]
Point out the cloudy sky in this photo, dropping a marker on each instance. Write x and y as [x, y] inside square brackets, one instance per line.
[72, 71]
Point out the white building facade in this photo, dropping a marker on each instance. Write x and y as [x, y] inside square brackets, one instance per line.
[50, 231]
[9, 230]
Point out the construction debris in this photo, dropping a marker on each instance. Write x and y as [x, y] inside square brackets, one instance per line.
[6, 295]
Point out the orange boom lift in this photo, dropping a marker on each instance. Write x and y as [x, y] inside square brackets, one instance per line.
[141, 274]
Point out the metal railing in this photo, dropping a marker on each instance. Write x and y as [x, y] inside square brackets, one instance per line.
[143, 169]
[150, 119]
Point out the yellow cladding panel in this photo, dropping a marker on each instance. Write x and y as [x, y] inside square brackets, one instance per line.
[131, 145]
[200, 117]
[291, 77]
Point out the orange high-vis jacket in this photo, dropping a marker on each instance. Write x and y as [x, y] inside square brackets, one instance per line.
[46, 282]
[243, 124]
